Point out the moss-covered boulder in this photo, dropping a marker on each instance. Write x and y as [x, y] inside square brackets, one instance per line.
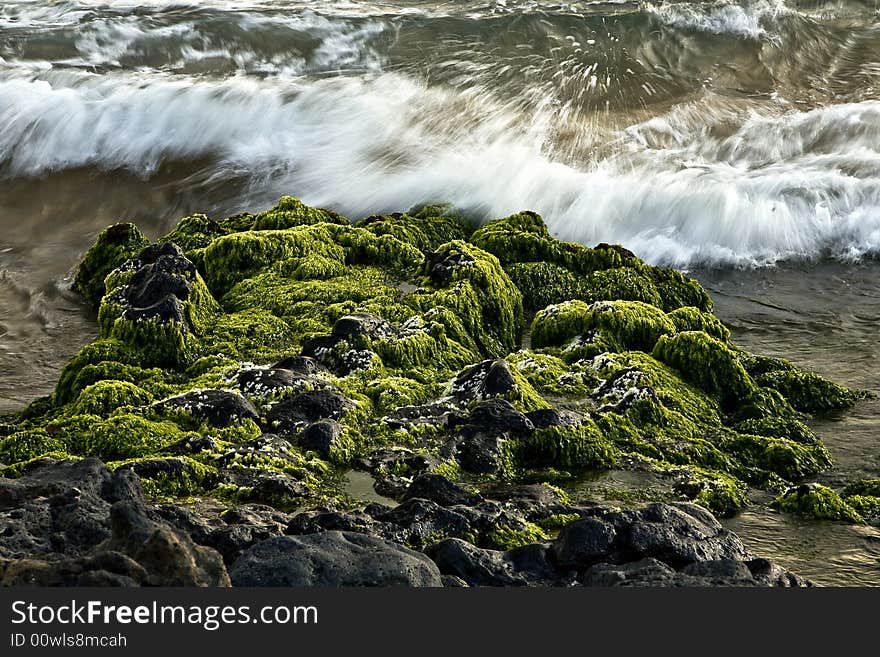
[250, 358]
[818, 502]
[114, 246]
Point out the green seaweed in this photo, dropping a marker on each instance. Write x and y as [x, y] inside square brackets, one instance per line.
[114, 245]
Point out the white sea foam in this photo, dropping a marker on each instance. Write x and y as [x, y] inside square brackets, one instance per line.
[794, 185]
[745, 19]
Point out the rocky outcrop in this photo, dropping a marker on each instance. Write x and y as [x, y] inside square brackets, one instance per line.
[246, 362]
[75, 523]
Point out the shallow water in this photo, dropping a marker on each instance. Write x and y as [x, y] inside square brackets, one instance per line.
[822, 316]
[714, 136]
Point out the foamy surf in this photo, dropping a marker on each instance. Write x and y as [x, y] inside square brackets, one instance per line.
[785, 185]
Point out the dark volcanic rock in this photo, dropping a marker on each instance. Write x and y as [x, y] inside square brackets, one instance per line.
[321, 437]
[473, 565]
[299, 364]
[219, 408]
[268, 445]
[490, 378]
[170, 558]
[290, 415]
[191, 445]
[423, 520]
[645, 572]
[265, 486]
[442, 491]
[362, 324]
[263, 381]
[162, 281]
[395, 459]
[333, 559]
[767, 573]
[497, 416]
[443, 262]
[75, 523]
[480, 453]
[164, 311]
[232, 540]
[61, 507]
[584, 542]
[680, 534]
[551, 417]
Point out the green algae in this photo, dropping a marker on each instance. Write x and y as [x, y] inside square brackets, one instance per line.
[114, 246]
[815, 501]
[601, 327]
[426, 228]
[290, 212]
[195, 232]
[707, 363]
[23, 446]
[580, 447]
[507, 537]
[104, 397]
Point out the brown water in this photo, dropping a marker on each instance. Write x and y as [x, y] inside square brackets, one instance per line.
[823, 316]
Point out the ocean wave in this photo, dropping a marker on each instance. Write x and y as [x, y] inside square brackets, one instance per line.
[746, 19]
[701, 184]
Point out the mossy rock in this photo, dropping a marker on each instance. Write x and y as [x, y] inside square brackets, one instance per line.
[708, 363]
[417, 320]
[815, 501]
[114, 246]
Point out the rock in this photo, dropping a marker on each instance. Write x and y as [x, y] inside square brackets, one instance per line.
[321, 437]
[480, 454]
[490, 378]
[645, 572]
[76, 523]
[723, 572]
[443, 262]
[424, 521]
[268, 445]
[397, 459]
[192, 445]
[333, 559]
[219, 408]
[290, 415]
[680, 534]
[196, 520]
[313, 522]
[767, 573]
[164, 272]
[163, 311]
[584, 542]
[265, 486]
[539, 500]
[533, 562]
[170, 558]
[265, 381]
[170, 468]
[551, 417]
[299, 364]
[440, 490]
[497, 416]
[163, 280]
[475, 566]
[61, 507]
[362, 324]
[232, 540]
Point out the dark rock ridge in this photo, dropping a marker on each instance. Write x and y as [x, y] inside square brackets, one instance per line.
[246, 362]
[76, 523]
